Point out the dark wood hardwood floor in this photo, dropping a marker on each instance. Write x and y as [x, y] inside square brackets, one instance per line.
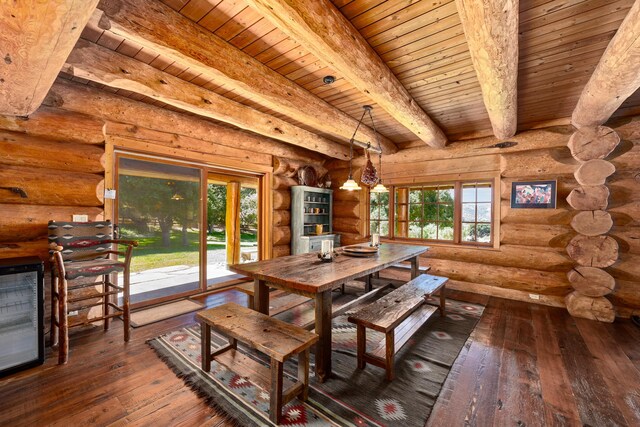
[527, 365]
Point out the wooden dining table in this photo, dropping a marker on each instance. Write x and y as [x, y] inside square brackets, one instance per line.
[307, 275]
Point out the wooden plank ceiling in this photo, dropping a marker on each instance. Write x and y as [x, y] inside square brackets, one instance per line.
[424, 45]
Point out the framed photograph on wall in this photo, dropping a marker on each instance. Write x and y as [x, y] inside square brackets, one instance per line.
[533, 194]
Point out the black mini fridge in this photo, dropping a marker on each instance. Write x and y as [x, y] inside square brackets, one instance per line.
[21, 314]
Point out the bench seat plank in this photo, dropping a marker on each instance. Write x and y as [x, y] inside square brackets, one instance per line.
[407, 267]
[272, 337]
[389, 311]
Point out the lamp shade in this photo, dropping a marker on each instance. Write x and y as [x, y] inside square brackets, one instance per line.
[350, 185]
[379, 188]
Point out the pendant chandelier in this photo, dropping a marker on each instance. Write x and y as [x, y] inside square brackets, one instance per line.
[350, 184]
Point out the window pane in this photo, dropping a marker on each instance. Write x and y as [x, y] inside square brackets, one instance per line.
[159, 205]
[484, 192]
[468, 212]
[415, 196]
[468, 232]
[446, 194]
[415, 230]
[430, 212]
[484, 233]
[469, 193]
[375, 227]
[415, 213]
[484, 212]
[430, 230]
[445, 231]
[384, 212]
[373, 208]
[384, 228]
[430, 195]
[384, 199]
[384, 205]
[445, 213]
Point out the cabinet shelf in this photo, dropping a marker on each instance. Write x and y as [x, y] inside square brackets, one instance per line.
[303, 238]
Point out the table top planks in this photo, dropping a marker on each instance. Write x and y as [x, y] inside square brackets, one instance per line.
[305, 272]
[272, 337]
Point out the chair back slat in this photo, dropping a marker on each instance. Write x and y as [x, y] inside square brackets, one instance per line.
[81, 239]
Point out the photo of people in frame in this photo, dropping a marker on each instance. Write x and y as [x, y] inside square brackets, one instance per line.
[533, 194]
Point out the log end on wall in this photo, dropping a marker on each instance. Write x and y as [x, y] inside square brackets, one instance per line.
[599, 308]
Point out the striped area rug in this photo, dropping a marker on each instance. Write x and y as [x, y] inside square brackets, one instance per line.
[351, 397]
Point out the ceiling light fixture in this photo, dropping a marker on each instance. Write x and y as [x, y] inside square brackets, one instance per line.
[379, 188]
[328, 79]
[350, 184]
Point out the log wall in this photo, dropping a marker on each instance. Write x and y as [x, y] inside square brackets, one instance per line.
[531, 257]
[285, 175]
[53, 163]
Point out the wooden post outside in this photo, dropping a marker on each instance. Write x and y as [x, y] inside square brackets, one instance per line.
[232, 223]
[403, 212]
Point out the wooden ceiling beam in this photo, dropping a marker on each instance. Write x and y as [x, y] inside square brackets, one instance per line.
[104, 66]
[491, 29]
[36, 38]
[145, 22]
[322, 30]
[616, 76]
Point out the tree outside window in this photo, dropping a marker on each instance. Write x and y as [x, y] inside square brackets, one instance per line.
[379, 213]
[457, 212]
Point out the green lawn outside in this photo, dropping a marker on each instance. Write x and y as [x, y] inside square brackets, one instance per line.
[151, 254]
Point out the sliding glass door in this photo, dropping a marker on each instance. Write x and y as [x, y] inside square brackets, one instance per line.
[232, 225]
[159, 206]
[190, 223]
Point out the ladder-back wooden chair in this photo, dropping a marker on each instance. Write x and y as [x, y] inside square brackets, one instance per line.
[80, 251]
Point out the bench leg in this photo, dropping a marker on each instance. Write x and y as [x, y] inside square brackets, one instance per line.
[303, 374]
[361, 336]
[275, 404]
[251, 303]
[205, 346]
[414, 267]
[442, 302]
[391, 351]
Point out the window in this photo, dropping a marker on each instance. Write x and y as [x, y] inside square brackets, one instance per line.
[455, 212]
[476, 212]
[379, 213]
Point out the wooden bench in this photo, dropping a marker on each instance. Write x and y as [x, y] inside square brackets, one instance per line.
[407, 267]
[398, 315]
[275, 338]
[376, 280]
[247, 288]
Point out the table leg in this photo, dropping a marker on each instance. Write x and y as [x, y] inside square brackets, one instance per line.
[323, 329]
[414, 267]
[205, 346]
[261, 296]
[367, 283]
